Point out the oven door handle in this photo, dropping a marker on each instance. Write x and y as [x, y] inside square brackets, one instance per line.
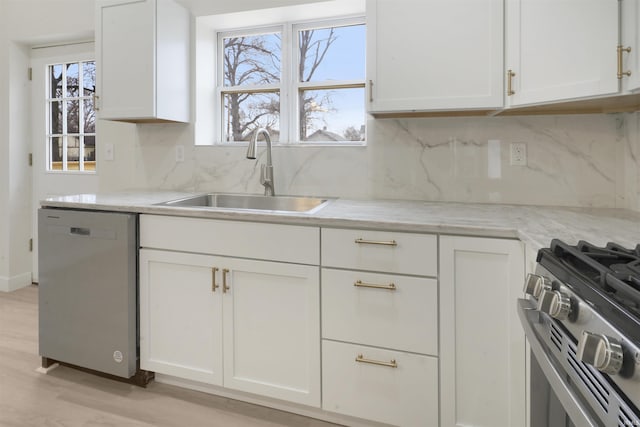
[572, 404]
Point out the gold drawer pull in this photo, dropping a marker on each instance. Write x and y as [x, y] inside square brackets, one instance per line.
[361, 284]
[225, 287]
[620, 65]
[376, 242]
[510, 76]
[214, 286]
[391, 364]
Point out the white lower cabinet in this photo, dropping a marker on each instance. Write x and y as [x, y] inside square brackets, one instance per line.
[380, 327]
[247, 325]
[382, 385]
[180, 316]
[482, 345]
[417, 329]
[382, 310]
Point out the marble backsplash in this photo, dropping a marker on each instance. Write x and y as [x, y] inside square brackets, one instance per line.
[573, 160]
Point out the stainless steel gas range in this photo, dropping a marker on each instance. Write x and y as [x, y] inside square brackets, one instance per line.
[582, 321]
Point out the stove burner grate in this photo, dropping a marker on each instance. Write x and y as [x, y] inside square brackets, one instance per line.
[607, 277]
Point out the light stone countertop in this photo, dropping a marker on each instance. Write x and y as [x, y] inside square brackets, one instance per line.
[534, 225]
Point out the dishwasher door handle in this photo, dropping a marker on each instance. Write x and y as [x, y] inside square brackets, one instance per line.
[80, 231]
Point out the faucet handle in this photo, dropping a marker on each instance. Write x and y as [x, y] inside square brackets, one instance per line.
[266, 179]
[263, 178]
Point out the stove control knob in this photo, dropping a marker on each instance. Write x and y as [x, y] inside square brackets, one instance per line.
[555, 304]
[600, 351]
[534, 284]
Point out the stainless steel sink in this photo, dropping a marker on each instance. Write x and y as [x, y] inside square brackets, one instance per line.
[251, 202]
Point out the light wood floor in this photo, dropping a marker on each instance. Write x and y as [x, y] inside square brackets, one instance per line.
[67, 398]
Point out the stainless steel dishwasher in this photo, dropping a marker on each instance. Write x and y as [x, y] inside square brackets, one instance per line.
[87, 291]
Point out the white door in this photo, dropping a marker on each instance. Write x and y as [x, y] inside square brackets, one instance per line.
[482, 345]
[47, 127]
[181, 315]
[561, 50]
[272, 329]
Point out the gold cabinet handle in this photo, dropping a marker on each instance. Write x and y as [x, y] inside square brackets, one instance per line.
[225, 287]
[214, 271]
[376, 242]
[370, 90]
[361, 284]
[510, 76]
[391, 364]
[620, 72]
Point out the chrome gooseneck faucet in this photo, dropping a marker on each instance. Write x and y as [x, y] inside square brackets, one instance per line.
[266, 171]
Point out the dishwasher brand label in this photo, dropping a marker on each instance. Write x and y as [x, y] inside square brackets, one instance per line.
[117, 356]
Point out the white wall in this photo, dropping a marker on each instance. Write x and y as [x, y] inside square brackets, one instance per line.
[629, 161]
[573, 161]
[19, 170]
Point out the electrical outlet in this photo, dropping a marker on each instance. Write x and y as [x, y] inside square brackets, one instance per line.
[518, 154]
[179, 153]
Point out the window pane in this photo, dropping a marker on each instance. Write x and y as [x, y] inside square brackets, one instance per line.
[72, 117]
[332, 115]
[244, 113]
[55, 152]
[73, 111]
[55, 120]
[89, 152]
[73, 79]
[89, 120]
[252, 59]
[88, 78]
[73, 153]
[332, 54]
[55, 82]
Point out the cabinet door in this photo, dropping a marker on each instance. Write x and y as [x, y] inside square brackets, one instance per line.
[482, 345]
[381, 385]
[631, 39]
[272, 330]
[382, 310]
[180, 316]
[142, 60]
[125, 56]
[434, 54]
[561, 50]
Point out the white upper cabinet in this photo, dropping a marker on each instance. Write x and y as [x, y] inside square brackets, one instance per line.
[630, 46]
[434, 55]
[560, 50]
[143, 55]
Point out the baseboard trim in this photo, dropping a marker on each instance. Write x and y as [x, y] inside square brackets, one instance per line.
[280, 405]
[13, 283]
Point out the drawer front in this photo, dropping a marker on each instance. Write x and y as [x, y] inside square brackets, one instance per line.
[405, 395]
[276, 242]
[381, 310]
[391, 252]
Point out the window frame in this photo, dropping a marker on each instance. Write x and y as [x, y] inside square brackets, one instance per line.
[221, 90]
[64, 135]
[297, 86]
[289, 85]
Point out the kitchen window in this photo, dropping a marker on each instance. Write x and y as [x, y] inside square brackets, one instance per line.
[71, 117]
[303, 82]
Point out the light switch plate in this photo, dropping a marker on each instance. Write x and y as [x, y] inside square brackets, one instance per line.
[108, 152]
